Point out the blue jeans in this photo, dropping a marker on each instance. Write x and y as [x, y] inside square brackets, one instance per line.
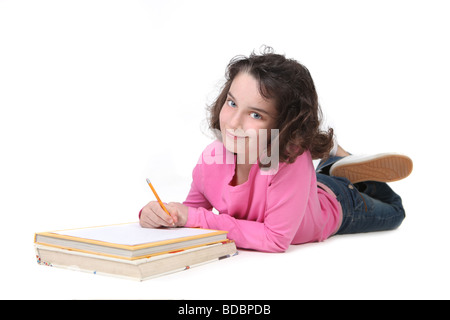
[366, 206]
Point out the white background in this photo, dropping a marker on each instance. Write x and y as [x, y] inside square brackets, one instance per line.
[95, 96]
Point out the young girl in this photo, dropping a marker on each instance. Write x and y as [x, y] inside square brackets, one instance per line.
[269, 107]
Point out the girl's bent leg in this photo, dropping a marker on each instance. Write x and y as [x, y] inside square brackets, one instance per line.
[366, 207]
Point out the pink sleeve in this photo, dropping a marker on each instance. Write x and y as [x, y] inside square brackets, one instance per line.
[196, 198]
[287, 199]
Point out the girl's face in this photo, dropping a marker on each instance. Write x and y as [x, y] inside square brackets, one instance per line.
[246, 119]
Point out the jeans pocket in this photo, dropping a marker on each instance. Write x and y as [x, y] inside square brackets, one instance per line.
[359, 204]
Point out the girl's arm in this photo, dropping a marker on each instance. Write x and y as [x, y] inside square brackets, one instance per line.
[195, 198]
[287, 200]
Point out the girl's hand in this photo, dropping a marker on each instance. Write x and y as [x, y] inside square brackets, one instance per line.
[153, 216]
[179, 213]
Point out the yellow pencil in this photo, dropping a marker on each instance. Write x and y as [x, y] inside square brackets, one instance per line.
[157, 197]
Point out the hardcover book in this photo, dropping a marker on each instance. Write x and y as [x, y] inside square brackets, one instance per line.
[128, 250]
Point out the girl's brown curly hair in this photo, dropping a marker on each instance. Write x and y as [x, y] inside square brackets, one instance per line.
[290, 85]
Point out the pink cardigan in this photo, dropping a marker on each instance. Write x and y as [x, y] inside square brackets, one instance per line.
[267, 212]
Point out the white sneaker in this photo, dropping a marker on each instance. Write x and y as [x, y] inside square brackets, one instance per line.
[382, 167]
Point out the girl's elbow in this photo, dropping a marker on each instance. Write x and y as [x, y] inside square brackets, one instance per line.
[276, 241]
[279, 245]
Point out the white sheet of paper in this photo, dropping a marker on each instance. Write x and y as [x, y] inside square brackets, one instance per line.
[132, 233]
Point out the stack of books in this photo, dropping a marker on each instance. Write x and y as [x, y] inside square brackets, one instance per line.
[130, 251]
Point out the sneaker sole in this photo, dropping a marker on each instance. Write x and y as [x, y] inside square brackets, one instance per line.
[386, 168]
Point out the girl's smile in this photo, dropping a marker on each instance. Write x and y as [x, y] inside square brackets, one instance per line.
[232, 134]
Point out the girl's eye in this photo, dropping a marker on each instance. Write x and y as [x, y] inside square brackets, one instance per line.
[231, 103]
[255, 115]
